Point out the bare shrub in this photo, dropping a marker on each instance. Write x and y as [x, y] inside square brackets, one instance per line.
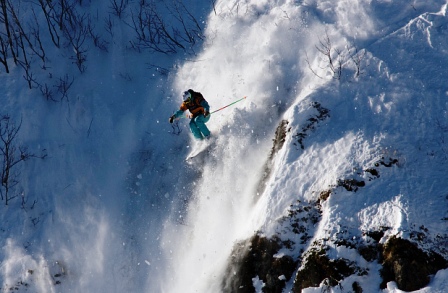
[11, 154]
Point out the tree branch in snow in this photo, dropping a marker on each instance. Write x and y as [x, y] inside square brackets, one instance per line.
[4, 18]
[76, 32]
[24, 40]
[118, 7]
[357, 58]
[337, 59]
[29, 77]
[4, 53]
[46, 92]
[109, 24]
[64, 85]
[11, 155]
[97, 40]
[335, 63]
[309, 65]
[155, 32]
[47, 8]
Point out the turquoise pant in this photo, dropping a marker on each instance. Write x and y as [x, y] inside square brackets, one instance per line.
[198, 127]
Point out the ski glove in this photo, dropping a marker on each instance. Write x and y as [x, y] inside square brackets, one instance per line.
[171, 119]
[206, 113]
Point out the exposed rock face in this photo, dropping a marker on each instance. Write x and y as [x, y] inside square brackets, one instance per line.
[311, 124]
[259, 258]
[256, 258]
[403, 262]
[278, 142]
[319, 268]
[409, 266]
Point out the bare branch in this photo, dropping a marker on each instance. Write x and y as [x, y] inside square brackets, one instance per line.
[64, 85]
[118, 7]
[11, 155]
[336, 58]
[309, 65]
[357, 58]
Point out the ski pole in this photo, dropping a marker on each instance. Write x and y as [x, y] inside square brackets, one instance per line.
[186, 116]
[228, 105]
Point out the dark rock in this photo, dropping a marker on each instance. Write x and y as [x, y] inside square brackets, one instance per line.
[370, 252]
[409, 266]
[377, 234]
[278, 142]
[373, 171]
[386, 162]
[351, 184]
[324, 195]
[311, 124]
[356, 287]
[319, 267]
[255, 258]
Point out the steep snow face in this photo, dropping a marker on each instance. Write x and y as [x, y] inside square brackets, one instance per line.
[87, 218]
[114, 208]
[242, 57]
[385, 110]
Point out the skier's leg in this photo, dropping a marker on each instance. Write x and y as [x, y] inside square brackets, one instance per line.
[200, 123]
[195, 130]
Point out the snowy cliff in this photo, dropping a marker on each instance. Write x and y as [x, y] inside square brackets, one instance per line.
[331, 176]
[356, 189]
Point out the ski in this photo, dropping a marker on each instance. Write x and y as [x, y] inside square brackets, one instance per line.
[199, 151]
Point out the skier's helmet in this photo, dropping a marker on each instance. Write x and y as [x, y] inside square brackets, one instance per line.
[186, 96]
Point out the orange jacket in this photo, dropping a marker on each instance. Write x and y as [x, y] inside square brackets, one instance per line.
[197, 106]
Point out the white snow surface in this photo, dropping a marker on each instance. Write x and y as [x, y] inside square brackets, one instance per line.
[117, 209]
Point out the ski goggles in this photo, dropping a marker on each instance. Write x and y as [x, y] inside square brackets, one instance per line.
[187, 96]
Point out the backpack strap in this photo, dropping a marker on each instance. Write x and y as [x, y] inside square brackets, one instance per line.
[197, 97]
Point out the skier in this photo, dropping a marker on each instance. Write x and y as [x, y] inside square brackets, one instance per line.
[200, 113]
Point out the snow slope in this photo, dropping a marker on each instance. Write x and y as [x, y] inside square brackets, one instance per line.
[117, 209]
[395, 110]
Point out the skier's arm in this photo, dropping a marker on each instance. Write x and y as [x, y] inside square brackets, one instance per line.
[178, 113]
[206, 106]
[181, 111]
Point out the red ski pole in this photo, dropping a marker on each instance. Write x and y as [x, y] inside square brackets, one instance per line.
[187, 116]
[227, 105]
